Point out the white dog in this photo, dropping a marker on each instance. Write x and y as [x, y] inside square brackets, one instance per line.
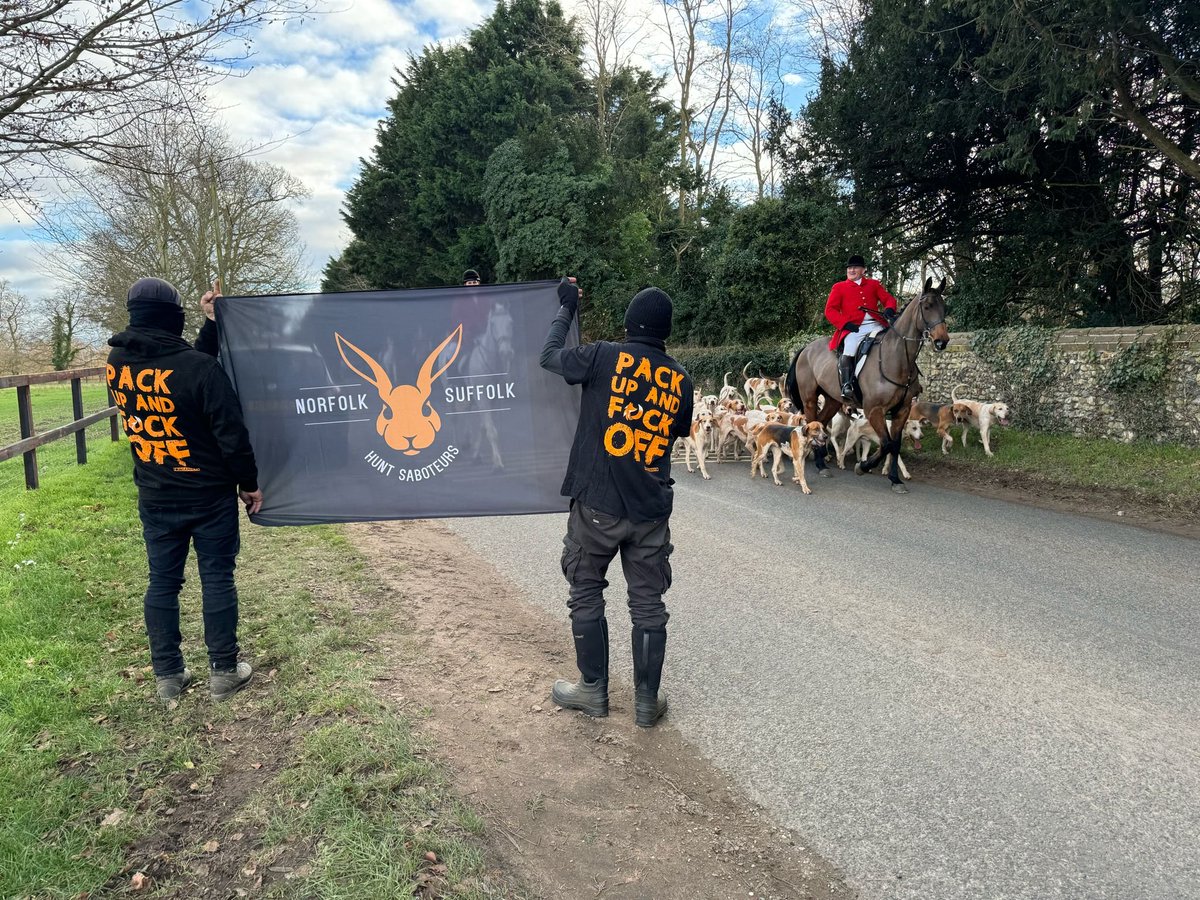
[861, 435]
[981, 415]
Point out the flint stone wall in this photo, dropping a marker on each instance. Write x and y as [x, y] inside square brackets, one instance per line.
[1070, 393]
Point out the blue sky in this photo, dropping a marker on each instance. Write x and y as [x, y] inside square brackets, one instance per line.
[312, 97]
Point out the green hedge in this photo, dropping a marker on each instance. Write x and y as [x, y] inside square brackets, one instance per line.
[708, 365]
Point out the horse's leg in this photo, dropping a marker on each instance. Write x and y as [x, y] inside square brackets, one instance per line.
[493, 437]
[879, 423]
[825, 416]
[894, 439]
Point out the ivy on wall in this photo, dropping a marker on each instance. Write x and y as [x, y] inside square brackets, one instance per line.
[1135, 378]
[1026, 364]
[1141, 367]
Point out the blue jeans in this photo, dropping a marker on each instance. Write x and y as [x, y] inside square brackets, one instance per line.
[168, 530]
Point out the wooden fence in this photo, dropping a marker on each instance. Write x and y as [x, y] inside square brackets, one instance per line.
[30, 441]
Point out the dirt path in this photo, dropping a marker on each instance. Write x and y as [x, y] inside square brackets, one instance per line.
[575, 807]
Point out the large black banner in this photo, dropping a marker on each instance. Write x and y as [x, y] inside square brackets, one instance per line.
[401, 404]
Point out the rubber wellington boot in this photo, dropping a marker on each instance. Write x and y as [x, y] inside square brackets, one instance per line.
[649, 651]
[589, 695]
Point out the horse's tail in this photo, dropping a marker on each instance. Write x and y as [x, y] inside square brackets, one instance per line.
[793, 388]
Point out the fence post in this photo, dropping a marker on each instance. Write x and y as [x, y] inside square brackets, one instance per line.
[25, 412]
[77, 410]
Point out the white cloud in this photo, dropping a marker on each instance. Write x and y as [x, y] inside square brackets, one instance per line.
[21, 262]
[315, 91]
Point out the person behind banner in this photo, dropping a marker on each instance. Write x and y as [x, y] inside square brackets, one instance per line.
[192, 460]
[858, 308]
[471, 309]
[636, 402]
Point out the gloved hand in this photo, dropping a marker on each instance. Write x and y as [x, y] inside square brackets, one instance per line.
[568, 295]
[849, 327]
[890, 314]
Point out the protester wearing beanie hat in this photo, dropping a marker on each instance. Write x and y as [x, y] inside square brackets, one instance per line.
[154, 303]
[192, 460]
[649, 314]
[636, 402]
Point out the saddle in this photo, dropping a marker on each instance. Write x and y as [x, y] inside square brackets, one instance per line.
[860, 356]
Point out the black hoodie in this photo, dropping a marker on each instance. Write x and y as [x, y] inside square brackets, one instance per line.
[182, 416]
[636, 402]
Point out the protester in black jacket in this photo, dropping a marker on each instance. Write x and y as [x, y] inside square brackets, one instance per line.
[191, 461]
[636, 401]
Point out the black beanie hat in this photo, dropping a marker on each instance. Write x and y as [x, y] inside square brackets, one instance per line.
[470, 275]
[153, 289]
[154, 303]
[856, 260]
[649, 314]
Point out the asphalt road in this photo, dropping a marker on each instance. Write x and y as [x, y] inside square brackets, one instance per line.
[947, 696]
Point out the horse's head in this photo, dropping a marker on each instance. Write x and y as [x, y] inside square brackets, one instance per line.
[930, 314]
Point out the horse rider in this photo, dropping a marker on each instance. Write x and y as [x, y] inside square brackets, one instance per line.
[847, 309]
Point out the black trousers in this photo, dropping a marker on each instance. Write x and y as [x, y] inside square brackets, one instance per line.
[169, 531]
[593, 539]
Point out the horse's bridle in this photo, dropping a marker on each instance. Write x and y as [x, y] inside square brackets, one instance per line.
[928, 326]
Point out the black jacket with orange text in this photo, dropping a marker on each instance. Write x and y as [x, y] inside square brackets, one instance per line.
[182, 416]
[636, 402]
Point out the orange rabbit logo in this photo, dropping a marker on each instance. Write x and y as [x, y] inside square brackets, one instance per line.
[408, 422]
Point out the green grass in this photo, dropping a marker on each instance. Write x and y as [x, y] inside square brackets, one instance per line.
[80, 736]
[1163, 474]
[51, 408]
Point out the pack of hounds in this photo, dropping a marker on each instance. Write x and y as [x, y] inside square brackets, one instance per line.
[753, 420]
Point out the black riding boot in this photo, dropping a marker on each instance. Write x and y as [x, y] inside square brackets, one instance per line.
[846, 373]
[590, 694]
[649, 651]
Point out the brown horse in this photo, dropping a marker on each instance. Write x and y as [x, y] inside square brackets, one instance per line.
[888, 382]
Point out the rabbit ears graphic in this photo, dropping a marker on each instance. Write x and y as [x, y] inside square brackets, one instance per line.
[408, 422]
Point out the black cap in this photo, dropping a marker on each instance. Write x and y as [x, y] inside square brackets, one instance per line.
[649, 314]
[470, 275]
[153, 290]
[856, 260]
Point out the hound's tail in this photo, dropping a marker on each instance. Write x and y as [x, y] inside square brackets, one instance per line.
[725, 379]
[745, 367]
[953, 396]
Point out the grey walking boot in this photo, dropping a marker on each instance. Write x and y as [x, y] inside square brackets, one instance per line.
[169, 687]
[223, 684]
[649, 651]
[589, 695]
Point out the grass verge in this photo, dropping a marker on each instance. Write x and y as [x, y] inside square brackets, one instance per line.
[304, 784]
[1162, 475]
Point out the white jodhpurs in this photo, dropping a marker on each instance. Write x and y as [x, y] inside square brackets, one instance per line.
[854, 338]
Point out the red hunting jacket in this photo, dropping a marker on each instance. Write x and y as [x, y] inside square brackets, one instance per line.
[846, 298]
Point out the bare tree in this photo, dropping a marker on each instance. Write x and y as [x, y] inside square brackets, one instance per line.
[612, 35]
[763, 47]
[701, 48]
[15, 311]
[76, 74]
[197, 210]
[831, 25]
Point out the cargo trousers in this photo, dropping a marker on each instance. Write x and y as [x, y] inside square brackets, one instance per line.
[593, 539]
